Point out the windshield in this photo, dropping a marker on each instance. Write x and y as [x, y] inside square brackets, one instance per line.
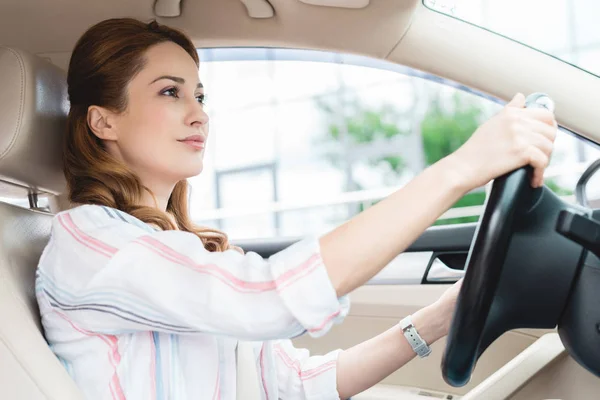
[566, 29]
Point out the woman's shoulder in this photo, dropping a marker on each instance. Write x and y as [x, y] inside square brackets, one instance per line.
[95, 216]
[82, 213]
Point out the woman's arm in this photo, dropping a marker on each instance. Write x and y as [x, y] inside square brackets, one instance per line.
[359, 249]
[341, 374]
[367, 363]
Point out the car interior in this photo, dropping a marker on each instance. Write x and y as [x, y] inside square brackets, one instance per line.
[527, 324]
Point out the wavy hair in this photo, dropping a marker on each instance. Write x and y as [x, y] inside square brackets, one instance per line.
[105, 59]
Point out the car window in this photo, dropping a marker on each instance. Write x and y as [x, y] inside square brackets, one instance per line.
[300, 141]
[566, 29]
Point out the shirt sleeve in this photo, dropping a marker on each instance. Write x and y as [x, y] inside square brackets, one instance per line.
[302, 377]
[111, 276]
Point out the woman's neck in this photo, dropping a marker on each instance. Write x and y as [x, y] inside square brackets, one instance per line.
[158, 198]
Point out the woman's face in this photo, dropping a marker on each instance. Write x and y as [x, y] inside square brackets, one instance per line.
[162, 134]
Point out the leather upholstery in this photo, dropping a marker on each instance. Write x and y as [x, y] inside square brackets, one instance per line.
[28, 368]
[33, 111]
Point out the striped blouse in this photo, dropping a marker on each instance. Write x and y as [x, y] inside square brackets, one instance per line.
[135, 313]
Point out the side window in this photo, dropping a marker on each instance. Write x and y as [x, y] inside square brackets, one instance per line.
[300, 141]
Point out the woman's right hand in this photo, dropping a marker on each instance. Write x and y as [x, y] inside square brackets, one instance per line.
[515, 137]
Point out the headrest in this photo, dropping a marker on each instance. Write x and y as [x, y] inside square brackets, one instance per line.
[33, 112]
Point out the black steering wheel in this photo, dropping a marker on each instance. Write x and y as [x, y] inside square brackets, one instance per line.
[519, 271]
[484, 268]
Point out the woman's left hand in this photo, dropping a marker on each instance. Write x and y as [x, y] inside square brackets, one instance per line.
[447, 303]
[433, 321]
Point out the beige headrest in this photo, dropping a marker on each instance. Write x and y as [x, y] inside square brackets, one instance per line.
[33, 111]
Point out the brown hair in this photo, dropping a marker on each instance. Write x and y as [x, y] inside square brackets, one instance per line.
[104, 61]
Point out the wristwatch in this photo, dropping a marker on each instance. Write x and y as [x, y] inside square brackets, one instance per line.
[416, 341]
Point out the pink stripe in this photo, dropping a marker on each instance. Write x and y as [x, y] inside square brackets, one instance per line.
[268, 285]
[116, 384]
[152, 366]
[313, 373]
[313, 267]
[225, 276]
[314, 259]
[116, 362]
[113, 393]
[74, 235]
[262, 371]
[115, 346]
[68, 223]
[202, 270]
[217, 394]
[113, 355]
[327, 320]
[295, 365]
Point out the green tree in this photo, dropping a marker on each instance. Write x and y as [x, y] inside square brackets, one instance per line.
[445, 129]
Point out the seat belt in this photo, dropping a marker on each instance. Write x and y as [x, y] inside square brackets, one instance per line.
[247, 382]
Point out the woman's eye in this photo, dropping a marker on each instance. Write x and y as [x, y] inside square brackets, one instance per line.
[201, 99]
[172, 92]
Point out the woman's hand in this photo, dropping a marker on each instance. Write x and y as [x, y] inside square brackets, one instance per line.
[367, 363]
[433, 321]
[446, 304]
[515, 137]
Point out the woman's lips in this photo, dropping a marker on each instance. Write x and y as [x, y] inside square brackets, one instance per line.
[196, 144]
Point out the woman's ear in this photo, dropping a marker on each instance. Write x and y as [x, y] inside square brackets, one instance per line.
[100, 121]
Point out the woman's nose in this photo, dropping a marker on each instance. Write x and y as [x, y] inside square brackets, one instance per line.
[197, 114]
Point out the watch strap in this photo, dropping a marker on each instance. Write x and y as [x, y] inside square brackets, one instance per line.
[414, 339]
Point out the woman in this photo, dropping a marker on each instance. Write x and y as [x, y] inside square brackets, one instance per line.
[140, 303]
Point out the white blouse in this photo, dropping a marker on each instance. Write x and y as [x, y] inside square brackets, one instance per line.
[134, 313]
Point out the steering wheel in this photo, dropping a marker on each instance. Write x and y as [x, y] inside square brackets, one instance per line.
[484, 267]
[519, 270]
